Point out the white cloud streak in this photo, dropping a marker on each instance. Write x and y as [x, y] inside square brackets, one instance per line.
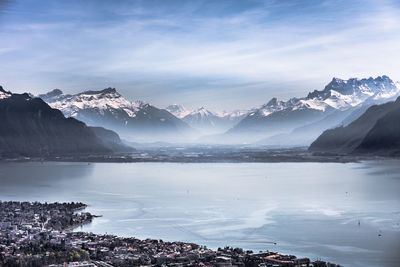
[149, 57]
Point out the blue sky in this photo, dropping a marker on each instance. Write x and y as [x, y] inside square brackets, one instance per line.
[223, 54]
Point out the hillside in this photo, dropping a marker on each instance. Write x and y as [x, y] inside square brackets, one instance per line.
[375, 131]
[30, 127]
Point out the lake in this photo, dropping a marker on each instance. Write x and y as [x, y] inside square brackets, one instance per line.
[344, 213]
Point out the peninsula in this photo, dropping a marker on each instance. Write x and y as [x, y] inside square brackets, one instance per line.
[40, 234]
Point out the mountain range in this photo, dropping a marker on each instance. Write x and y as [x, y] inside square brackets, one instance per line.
[139, 121]
[298, 121]
[377, 131]
[30, 127]
[133, 120]
[354, 116]
[206, 121]
[295, 122]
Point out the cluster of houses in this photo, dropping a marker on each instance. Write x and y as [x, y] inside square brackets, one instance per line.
[36, 234]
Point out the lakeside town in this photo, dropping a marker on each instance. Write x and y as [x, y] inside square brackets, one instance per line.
[40, 234]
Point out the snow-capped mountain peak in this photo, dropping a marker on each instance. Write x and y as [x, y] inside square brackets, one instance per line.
[101, 100]
[233, 115]
[272, 106]
[336, 102]
[273, 102]
[181, 112]
[178, 110]
[207, 121]
[202, 112]
[338, 94]
[344, 94]
[367, 86]
[135, 120]
[204, 120]
[53, 95]
[4, 94]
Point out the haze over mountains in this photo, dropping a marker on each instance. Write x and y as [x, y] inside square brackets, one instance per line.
[299, 120]
[30, 127]
[140, 121]
[206, 121]
[134, 120]
[295, 122]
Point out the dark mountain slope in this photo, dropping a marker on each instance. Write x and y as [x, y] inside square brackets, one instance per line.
[376, 127]
[30, 127]
[384, 137]
[111, 139]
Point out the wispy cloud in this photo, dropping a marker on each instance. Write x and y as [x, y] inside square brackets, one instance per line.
[199, 50]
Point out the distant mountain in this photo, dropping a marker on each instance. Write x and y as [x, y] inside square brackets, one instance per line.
[377, 131]
[234, 116]
[30, 127]
[206, 121]
[178, 110]
[295, 122]
[136, 121]
[306, 134]
[319, 110]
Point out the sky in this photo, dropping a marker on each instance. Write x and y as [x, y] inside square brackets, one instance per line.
[224, 55]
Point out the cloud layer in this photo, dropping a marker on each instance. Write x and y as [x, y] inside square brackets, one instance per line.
[221, 54]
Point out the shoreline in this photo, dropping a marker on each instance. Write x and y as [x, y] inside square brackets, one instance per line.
[48, 228]
[349, 159]
[205, 155]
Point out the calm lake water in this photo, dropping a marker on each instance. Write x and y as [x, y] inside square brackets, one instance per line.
[344, 213]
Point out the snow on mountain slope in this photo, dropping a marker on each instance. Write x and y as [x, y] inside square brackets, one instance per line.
[30, 127]
[102, 100]
[134, 120]
[207, 121]
[277, 116]
[272, 106]
[110, 109]
[338, 94]
[4, 94]
[178, 110]
[201, 113]
[235, 115]
[343, 94]
[204, 120]
[210, 122]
